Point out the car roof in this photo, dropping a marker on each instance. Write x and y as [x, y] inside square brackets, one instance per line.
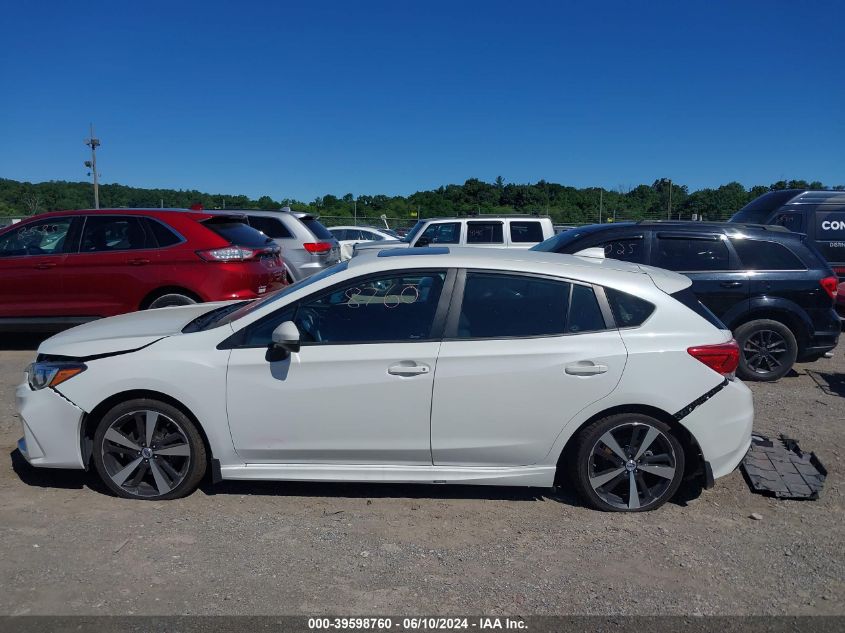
[490, 216]
[730, 228]
[196, 214]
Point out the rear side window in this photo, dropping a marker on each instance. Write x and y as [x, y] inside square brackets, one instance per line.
[238, 233]
[627, 249]
[688, 298]
[163, 235]
[761, 255]
[526, 232]
[691, 254]
[584, 312]
[271, 227]
[104, 233]
[628, 310]
[484, 233]
[504, 306]
[319, 231]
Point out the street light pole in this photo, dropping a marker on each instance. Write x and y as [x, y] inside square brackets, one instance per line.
[669, 208]
[94, 143]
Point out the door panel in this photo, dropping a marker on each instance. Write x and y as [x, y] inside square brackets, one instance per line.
[503, 402]
[333, 404]
[115, 268]
[31, 269]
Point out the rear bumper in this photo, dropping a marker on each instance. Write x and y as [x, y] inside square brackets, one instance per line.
[51, 428]
[242, 280]
[722, 427]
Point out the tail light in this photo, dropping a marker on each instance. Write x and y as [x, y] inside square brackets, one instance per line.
[839, 270]
[722, 358]
[318, 247]
[830, 284]
[229, 254]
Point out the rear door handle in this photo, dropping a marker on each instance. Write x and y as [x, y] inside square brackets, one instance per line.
[408, 368]
[585, 368]
[45, 265]
[138, 262]
[730, 284]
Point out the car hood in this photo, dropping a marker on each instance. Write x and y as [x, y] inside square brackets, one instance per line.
[125, 332]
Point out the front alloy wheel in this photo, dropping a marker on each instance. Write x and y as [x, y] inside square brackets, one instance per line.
[628, 463]
[145, 449]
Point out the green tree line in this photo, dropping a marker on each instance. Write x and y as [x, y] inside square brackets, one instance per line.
[567, 205]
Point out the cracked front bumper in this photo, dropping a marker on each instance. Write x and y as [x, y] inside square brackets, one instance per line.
[51, 428]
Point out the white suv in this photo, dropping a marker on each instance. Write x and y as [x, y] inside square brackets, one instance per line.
[475, 367]
[490, 231]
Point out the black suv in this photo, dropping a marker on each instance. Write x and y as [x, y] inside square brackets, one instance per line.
[819, 214]
[770, 286]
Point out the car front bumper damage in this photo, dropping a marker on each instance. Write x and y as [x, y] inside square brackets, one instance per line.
[51, 428]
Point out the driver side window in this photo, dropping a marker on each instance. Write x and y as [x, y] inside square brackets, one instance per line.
[36, 238]
[399, 307]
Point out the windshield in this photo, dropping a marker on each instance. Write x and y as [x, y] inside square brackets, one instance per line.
[250, 307]
[758, 210]
[559, 242]
[414, 231]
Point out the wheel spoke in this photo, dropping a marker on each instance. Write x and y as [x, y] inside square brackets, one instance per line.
[667, 472]
[150, 425]
[608, 440]
[116, 437]
[650, 436]
[177, 450]
[633, 492]
[600, 480]
[162, 485]
[121, 476]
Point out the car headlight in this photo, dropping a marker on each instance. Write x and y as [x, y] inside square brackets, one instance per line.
[50, 374]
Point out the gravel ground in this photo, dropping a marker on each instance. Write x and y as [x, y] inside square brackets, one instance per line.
[276, 548]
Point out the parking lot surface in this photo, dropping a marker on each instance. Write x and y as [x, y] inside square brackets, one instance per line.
[279, 548]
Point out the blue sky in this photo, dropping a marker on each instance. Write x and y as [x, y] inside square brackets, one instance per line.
[306, 98]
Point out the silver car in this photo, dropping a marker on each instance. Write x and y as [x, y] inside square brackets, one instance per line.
[307, 246]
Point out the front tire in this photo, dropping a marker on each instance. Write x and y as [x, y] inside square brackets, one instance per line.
[768, 350]
[147, 449]
[628, 462]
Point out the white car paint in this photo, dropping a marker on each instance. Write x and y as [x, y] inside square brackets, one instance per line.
[501, 411]
[369, 235]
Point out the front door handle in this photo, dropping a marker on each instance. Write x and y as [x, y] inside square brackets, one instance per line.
[45, 265]
[408, 368]
[585, 368]
[138, 262]
[730, 284]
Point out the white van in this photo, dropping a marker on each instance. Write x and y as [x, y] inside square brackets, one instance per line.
[490, 231]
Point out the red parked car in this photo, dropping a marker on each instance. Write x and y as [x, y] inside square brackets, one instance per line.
[67, 267]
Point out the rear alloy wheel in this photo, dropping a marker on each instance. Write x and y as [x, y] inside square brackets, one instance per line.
[146, 449]
[768, 350]
[627, 463]
[170, 300]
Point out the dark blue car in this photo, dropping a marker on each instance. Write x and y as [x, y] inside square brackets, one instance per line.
[770, 286]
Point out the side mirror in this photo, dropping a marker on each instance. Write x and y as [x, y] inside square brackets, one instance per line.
[285, 340]
[422, 241]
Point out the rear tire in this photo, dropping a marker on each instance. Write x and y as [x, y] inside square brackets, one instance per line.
[148, 449]
[628, 462]
[170, 300]
[768, 350]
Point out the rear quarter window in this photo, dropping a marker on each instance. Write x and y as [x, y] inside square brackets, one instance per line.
[238, 233]
[628, 310]
[271, 227]
[763, 255]
[522, 232]
[319, 231]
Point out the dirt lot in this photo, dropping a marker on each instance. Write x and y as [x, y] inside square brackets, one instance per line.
[273, 548]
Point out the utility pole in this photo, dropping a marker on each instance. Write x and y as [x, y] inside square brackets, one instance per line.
[94, 143]
[669, 209]
[354, 212]
[601, 199]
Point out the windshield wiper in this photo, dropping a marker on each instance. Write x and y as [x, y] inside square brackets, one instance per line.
[203, 321]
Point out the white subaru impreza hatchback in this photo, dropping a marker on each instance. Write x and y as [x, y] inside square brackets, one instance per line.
[423, 365]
